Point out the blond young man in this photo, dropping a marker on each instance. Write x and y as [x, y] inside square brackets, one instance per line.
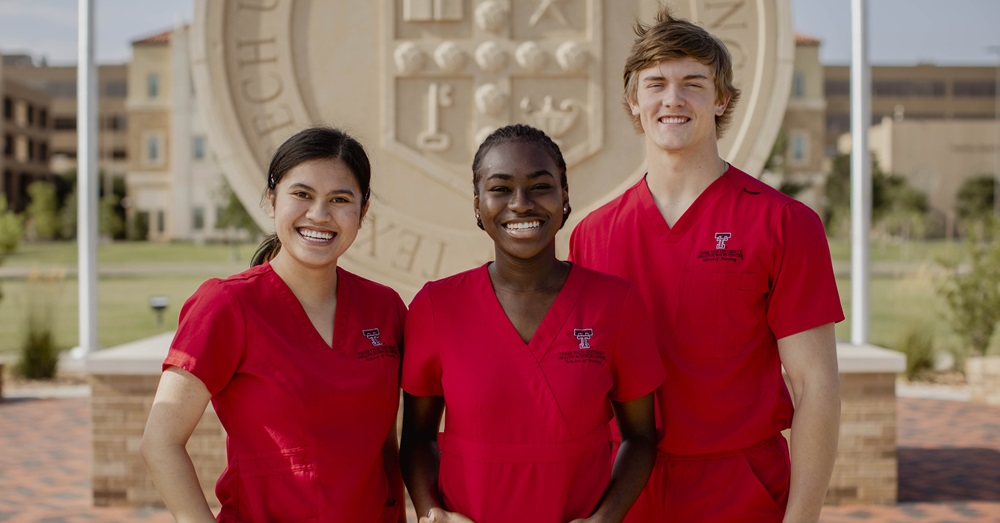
[739, 281]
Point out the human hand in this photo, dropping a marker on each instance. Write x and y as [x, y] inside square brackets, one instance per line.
[439, 515]
[591, 519]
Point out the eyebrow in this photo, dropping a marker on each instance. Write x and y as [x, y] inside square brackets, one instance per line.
[302, 186]
[534, 175]
[661, 78]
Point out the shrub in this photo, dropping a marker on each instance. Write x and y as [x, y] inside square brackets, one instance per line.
[972, 289]
[918, 345]
[39, 354]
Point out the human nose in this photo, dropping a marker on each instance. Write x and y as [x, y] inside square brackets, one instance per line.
[520, 201]
[672, 96]
[318, 211]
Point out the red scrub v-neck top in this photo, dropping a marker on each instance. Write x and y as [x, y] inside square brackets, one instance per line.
[305, 421]
[526, 428]
[743, 267]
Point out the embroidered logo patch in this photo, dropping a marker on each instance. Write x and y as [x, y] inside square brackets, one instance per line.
[372, 335]
[584, 336]
[722, 252]
[721, 238]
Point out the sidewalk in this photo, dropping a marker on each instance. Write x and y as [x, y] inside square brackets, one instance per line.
[949, 464]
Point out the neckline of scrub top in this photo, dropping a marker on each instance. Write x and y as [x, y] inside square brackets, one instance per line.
[551, 324]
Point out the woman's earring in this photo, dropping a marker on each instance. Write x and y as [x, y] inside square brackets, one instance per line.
[479, 221]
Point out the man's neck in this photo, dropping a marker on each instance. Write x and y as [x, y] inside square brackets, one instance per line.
[676, 179]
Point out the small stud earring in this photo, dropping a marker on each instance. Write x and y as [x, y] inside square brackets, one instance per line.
[479, 221]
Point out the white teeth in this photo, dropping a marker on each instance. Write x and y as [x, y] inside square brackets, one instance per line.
[673, 119]
[523, 226]
[315, 235]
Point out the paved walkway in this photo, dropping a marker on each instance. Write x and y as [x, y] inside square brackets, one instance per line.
[949, 464]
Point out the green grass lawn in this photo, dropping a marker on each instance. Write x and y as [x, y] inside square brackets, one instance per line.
[902, 297]
[171, 269]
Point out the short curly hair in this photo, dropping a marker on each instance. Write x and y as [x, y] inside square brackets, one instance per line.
[671, 38]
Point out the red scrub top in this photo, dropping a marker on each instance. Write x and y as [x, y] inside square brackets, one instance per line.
[305, 421]
[745, 265]
[526, 429]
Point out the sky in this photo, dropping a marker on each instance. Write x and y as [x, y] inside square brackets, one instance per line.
[902, 32]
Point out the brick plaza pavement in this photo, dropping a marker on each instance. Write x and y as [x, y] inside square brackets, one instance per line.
[949, 464]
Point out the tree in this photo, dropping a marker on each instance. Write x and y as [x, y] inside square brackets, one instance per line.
[903, 210]
[11, 229]
[974, 199]
[43, 211]
[232, 214]
[110, 224]
[68, 216]
[972, 289]
[68, 212]
[896, 206]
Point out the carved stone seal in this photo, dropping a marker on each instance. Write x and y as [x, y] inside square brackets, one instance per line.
[421, 82]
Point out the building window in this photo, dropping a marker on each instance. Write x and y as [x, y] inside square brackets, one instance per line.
[914, 88]
[8, 108]
[116, 89]
[837, 87]
[198, 148]
[119, 153]
[798, 145]
[116, 122]
[974, 88]
[31, 114]
[198, 218]
[43, 118]
[64, 123]
[798, 86]
[153, 149]
[61, 89]
[153, 85]
[8, 146]
[161, 221]
[43, 152]
[31, 150]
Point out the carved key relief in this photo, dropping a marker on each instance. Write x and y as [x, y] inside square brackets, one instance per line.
[421, 82]
[500, 62]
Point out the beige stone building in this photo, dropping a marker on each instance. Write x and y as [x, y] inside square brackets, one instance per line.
[26, 129]
[922, 92]
[802, 129]
[173, 182]
[60, 84]
[934, 125]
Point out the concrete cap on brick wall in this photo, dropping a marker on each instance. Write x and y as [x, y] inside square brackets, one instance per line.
[141, 357]
[868, 359]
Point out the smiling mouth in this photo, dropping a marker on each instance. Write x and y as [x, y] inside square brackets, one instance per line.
[316, 235]
[673, 119]
[523, 226]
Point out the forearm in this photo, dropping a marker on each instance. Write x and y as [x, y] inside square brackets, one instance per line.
[632, 467]
[420, 462]
[814, 436]
[175, 478]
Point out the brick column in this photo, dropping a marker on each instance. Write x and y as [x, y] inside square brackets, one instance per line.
[123, 382]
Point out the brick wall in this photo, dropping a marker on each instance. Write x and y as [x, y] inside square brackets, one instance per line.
[865, 470]
[983, 375]
[119, 407]
[866, 466]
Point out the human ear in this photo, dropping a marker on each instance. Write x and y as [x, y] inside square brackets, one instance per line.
[720, 105]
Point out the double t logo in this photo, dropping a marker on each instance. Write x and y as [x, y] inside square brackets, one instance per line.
[584, 336]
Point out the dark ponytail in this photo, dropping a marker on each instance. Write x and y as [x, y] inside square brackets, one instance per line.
[266, 251]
